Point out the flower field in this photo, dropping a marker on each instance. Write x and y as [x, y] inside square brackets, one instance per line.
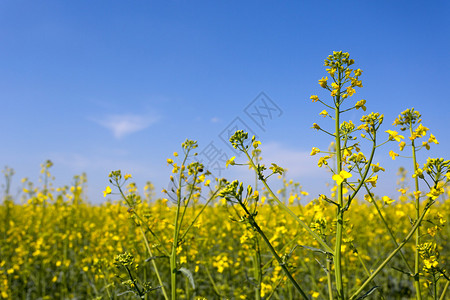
[66, 248]
[213, 238]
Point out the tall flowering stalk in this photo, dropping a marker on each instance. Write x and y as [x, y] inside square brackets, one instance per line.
[352, 171]
[185, 188]
[410, 121]
[349, 159]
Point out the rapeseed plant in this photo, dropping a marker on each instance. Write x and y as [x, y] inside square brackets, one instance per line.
[350, 162]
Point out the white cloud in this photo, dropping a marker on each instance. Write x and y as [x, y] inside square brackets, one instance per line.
[125, 124]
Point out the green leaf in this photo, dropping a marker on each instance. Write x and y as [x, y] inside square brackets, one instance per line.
[316, 250]
[189, 275]
[155, 257]
[368, 293]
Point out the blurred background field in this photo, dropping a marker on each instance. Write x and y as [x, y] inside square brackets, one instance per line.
[55, 245]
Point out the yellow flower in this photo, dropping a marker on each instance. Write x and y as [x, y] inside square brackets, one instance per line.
[175, 154]
[432, 139]
[169, 161]
[339, 178]
[387, 200]
[393, 155]
[107, 191]
[418, 173]
[376, 168]
[323, 113]
[373, 180]
[314, 151]
[256, 143]
[421, 130]
[314, 98]
[357, 83]
[430, 263]
[358, 72]
[402, 191]
[360, 104]
[350, 91]
[331, 71]
[414, 136]
[363, 126]
[323, 82]
[436, 192]
[432, 230]
[230, 162]
[393, 135]
[360, 157]
[402, 145]
[315, 126]
[323, 161]
[127, 176]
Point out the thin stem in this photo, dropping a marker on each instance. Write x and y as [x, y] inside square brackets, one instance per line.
[215, 288]
[417, 204]
[134, 282]
[140, 219]
[435, 287]
[278, 258]
[176, 231]
[388, 228]
[339, 210]
[257, 273]
[368, 272]
[329, 280]
[154, 264]
[213, 196]
[445, 290]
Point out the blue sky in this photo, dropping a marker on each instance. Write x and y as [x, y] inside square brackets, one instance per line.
[96, 86]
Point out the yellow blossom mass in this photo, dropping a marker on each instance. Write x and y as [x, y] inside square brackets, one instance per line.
[343, 175]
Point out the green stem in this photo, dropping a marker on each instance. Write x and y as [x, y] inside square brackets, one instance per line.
[176, 231]
[211, 279]
[417, 204]
[368, 273]
[134, 282]
[173, 255]
[435, 287]
[257, 269]
[445, 290]
[213, 196]
[154, 264]
[339, 210]
[388, 229]
[142, 221]
[281, 263]
[329, 280]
